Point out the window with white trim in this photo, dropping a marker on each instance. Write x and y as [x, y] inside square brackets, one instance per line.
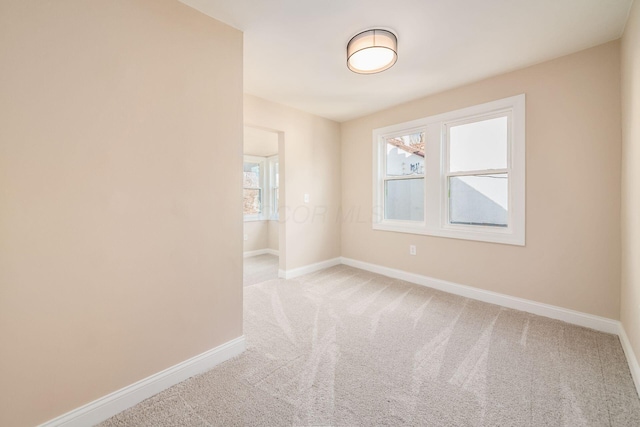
[460, 174]
[261, 183]
[253, 183]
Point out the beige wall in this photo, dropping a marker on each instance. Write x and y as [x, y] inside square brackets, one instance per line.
[261, 143]
[257, 233]
[274, 235]
[309, 155]
[261, 235]
[630, 297]
[120, 236]
[572, 253]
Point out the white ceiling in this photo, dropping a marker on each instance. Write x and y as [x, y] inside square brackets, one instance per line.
[295, 50]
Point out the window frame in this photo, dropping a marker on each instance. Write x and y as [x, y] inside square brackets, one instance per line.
[385, 178]
[447, 174]
[436, 185]
[273, 162]
[261, 161]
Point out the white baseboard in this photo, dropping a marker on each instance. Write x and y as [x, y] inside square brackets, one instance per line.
[111, 404]
[261, 252]
[631, 357]
[107, 406]
[300, 271]
[598, 323]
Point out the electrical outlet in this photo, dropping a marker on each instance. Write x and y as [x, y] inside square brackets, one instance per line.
[306, 198]
[412, 249]
[246, 237]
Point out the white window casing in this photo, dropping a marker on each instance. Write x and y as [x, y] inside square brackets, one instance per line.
[436, 220]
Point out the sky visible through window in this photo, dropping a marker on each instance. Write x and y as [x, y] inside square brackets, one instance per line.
[481, 145]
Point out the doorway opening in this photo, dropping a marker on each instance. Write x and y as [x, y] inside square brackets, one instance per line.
[261, 202]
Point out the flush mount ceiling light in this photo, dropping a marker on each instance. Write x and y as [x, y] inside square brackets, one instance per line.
[372, 51]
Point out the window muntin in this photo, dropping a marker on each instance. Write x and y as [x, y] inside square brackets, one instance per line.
[473, 174]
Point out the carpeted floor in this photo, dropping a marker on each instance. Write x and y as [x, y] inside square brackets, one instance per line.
[345, 347]
[259, 268]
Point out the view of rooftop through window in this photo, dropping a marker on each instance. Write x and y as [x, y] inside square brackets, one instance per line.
[477, 180]
[404, 183]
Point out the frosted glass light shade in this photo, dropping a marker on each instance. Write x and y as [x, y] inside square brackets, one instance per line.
[372, 51]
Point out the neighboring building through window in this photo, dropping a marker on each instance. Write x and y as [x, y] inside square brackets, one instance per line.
[252, 183]
[459, 174]
[261, 183]
[404, 177]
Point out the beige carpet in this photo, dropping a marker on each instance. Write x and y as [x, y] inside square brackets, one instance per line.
[345, 347]
[259, 268]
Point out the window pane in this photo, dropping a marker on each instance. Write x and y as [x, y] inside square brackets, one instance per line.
[478, 146]
[252, 201]
[404, 199]
[405, 155]
[251, 175]
[479, 200]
